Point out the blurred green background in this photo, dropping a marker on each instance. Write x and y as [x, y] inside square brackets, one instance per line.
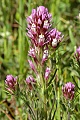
[14, 43]
[13, 40]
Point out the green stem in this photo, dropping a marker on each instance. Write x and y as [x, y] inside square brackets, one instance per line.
[27, 104]
[58, 92]
[79, 85]
[68, 118]
[58, 104]
[45, 101]
[68, 115]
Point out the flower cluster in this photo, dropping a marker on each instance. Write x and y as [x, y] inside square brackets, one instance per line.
[68, 90]
[39, 28]
[42, 36]
[77, 54]
[38, 24]
[10, 82]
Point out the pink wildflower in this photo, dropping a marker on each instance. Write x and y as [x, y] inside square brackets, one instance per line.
[30, 81]
[68, 90]
[77, 54]
[54, 37]
[38, 24]
[10, 82]
[32, 66]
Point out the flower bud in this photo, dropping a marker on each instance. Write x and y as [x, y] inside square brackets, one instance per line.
[68, 90]
[32, 66]
[54, 37]
[30, 81]
[77, 54]
[10, 82]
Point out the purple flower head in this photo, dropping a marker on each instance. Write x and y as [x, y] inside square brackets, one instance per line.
[45, 55]
[30, 80]
[54, 42]
[78, 50]
[68, 90]
[38, 24]
[47, 73]
[77, 54]
[10, 82]
[54, 37]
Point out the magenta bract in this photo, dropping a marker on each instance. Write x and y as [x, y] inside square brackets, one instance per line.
[11, 82]
[77, 54]
[38, 24]
[68, 90]
[30, 80]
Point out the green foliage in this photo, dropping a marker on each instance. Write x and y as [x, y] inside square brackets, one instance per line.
[14, 46]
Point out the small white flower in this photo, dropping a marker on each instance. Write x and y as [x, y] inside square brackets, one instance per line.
[45, 55]
[46, 24]
[33, 27]
[41, 39]
[54, 42]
